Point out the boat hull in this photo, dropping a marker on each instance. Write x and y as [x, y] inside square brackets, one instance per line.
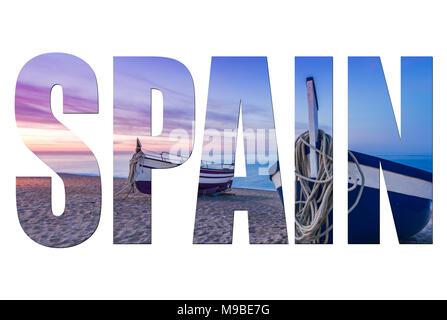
[411, 214]
[210, 181]
[215, 180]
[409, 192]
[144, 186]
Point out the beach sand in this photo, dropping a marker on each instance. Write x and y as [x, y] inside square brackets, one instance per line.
[214, 216]
[131, 215]
[132, 218]
[80, 218]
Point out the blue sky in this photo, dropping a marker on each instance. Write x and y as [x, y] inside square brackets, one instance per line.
[235, 81]
[372, 125]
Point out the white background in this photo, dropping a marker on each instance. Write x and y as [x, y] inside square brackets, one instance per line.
[193, 32]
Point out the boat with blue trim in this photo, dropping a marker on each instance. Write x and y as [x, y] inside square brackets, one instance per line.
[214, 178]
[410, 190]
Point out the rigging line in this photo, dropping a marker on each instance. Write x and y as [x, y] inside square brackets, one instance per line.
[314, 203]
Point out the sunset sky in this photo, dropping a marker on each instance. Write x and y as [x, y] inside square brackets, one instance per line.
[38, 127]
[40, 130]
[233, 81]
[134, 78]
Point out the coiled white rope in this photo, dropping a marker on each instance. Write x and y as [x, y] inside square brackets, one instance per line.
[314, 202]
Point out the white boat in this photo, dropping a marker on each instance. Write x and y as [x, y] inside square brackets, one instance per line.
[214, 178]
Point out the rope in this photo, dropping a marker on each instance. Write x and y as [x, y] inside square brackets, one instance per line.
[126, 186]
[355, 183]
[136, 157]
[314, 203]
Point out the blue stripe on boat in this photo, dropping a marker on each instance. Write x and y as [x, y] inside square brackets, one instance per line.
[395, 167]
[411, 214]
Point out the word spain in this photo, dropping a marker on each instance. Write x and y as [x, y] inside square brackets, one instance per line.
[239, 104]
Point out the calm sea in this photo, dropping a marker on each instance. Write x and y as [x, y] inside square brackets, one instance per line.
[81, 164]
[253, 180]
[423, 162]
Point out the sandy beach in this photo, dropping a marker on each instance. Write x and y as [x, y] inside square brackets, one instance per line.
[131, 215]
[132, 218]
[214, 216]
[80, 218]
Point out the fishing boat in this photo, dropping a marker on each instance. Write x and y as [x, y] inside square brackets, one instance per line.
[409, 189]
[214, 178]
[410, 193]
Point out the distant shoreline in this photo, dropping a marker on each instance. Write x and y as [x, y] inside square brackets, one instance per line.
[80, 174]
[96, 175]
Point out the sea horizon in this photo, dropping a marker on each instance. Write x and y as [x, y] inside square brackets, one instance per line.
[254, 181]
